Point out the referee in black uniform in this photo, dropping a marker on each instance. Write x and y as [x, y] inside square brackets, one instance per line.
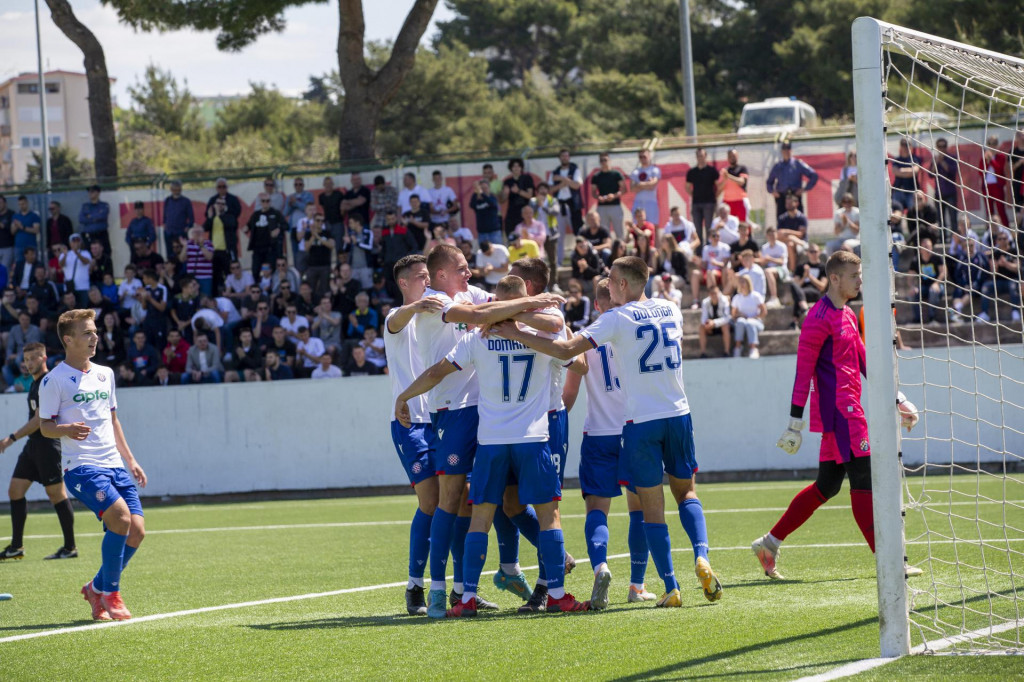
[39, 462]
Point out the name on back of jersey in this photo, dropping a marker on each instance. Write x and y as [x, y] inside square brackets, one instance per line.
[651, 313]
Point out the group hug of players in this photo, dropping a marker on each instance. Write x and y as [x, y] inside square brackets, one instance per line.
[481, 395]
[480, 425]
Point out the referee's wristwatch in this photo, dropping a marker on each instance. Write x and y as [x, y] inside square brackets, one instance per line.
[13, 437]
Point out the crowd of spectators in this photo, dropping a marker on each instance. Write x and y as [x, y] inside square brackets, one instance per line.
[318, 282]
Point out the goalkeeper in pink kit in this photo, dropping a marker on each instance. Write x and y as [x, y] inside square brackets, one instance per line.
[830, 362]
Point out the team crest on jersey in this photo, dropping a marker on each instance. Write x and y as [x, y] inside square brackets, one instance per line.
[100, 496]
[417, 467]
[453, 459]
[103, 377]
[864, 445]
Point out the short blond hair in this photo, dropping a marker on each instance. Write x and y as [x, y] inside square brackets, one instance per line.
[510, 287]
[67, 321]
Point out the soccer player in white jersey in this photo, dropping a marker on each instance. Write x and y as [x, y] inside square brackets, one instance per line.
[534, 271]
[453, 402]
[413, 443]
[77, 404]
[513, 439]
[600, 463]
[658, 435]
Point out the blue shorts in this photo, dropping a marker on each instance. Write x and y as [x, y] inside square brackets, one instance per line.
[656, 447]
[99, 487]
[599, 466]
[532, 465]
[413, 447]
[558, 439]
[454, 440]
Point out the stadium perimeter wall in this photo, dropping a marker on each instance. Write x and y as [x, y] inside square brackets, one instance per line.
[826, 155]
[329, 434]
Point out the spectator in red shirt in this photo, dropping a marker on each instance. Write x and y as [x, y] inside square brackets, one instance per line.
[175, 354]
[993, 180]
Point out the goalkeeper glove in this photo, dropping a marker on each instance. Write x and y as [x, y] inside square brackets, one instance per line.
[907, 411]
[790, 440]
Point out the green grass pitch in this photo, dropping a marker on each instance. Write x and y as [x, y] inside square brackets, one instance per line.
[822, 616]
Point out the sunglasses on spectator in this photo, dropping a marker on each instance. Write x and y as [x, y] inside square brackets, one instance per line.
[264, 201]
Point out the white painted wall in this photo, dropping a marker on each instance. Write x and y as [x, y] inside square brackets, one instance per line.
[308, 435]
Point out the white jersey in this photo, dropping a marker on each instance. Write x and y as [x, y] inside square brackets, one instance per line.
[645, 336]
[67, 396]
[606, 403]
[557, 366]
[404, 366]
[514, 383]
[436, 337]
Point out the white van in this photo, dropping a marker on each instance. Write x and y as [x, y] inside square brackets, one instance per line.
[776, 115]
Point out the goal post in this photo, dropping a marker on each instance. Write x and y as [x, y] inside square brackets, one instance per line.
[880, 386]
[943, 274]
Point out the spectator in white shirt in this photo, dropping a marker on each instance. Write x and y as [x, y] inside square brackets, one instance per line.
[325, 370]
[748, 313]
[716, 265]
[846, 226]
[238, 281]
[728, 226]
[664, 288]
[493, 263]
[443, 202]
[752, 270]
[775, 261]
[409, 188]
[309, 349]
[374, 347]
[292, 322]
[127, 288]
[715, 317]
[684, 231]
[75, 263]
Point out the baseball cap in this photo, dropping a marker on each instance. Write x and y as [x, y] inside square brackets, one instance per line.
[75, 236]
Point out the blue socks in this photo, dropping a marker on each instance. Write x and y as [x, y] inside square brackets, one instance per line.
[552, 550]
[440, 545]
[529, 527]
[596, 531]
[419, 544]
[508, 537]
[691, 513]
[473, 561]
[661, 552]
[637, 548]
[129, 552]
[459, 531]
[112, 551]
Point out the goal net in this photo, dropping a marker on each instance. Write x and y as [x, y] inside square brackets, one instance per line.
[941, 243]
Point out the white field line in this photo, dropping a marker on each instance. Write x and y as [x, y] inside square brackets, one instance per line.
[857, 667]
[351, 590]
[404, 522]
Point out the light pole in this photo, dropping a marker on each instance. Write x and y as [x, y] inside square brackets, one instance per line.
[42, 103]
[689, 98]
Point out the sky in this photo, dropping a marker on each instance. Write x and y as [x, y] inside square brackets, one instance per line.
[308, 46]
